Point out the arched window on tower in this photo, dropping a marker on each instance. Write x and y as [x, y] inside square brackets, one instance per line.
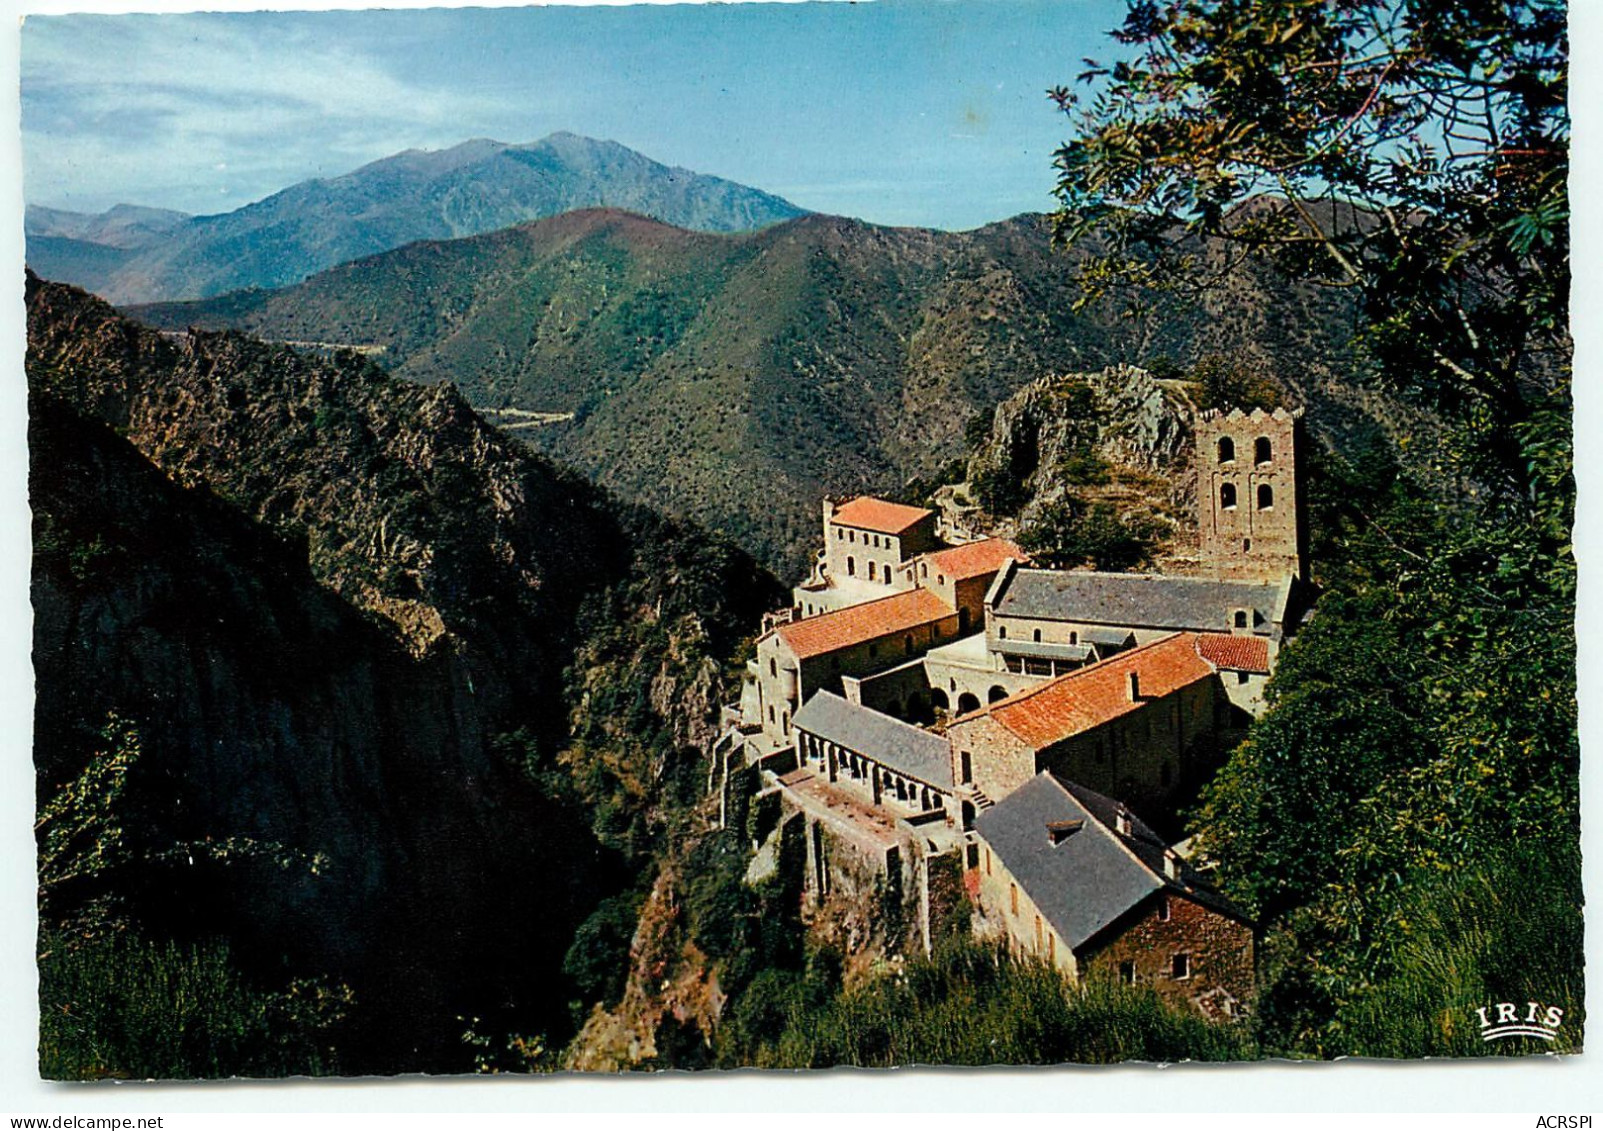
[1227, 449]
[851, 567]
[1227, 496]
[1262, 451]
[1266, 497]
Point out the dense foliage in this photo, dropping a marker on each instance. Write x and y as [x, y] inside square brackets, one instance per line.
[970, 1004]
[1418, 764]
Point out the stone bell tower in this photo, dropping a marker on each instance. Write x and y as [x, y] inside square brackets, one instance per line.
[1249, 504]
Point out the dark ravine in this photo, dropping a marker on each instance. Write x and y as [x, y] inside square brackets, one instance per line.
[734, 379]
[320, 594]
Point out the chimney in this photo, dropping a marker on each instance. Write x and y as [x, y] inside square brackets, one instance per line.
[1171, 864]
[1121, 821]
[1135, 687]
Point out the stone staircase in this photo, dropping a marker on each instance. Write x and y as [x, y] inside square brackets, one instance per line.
[976, 795]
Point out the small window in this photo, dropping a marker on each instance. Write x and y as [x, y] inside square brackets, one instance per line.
[771, 717]
[907, 645]
[871, 571]
[1013, 897]
[1246, 545]
[1227, 496]
[1227, 450]
[1241, 618]
[1163, 909]
[924, 570]
[987, 861]
[1181, 968]
[1266, 497]
[1051, 947]
[773, 666]
[1127, 973]
[851, 567]
[1074, 638]
[1001, 632]
[1037, 635]
[1262, 451]
[1037, 934]
[851, 535]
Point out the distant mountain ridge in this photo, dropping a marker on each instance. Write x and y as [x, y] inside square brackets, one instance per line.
[735, 378]
[132, 254]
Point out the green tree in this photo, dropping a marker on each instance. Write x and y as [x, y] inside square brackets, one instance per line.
[1412, 151]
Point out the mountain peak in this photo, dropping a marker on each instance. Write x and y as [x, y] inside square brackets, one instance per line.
[475, 186]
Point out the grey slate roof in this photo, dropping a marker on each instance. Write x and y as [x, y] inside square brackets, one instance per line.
[1138, 600]
[896, 745]
[1045, 651]
[1093, 877]
[1109, 637]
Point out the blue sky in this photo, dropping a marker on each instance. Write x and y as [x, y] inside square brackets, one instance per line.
[926, 112]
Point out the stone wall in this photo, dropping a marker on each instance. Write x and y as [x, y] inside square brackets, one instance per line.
[1219, 953]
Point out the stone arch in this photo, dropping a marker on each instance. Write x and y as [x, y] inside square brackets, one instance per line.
[938, 698]
[996, 694]
[1227, 450]
[967, 702]
[1227, 498]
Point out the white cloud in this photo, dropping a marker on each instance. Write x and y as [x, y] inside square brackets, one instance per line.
[107, 102]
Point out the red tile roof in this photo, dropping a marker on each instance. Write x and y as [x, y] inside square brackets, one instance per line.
[1238, 653]
[868, 513]
[1089, 697]
[976, 558]
[858, 624]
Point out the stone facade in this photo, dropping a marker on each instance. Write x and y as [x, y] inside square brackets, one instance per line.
[786, 679]
[1249, 494]
[1147, 755]
[1007, 913]
[1184, 950]
[866, 549]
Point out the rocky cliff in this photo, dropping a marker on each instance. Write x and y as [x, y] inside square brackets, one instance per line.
[324, 597]
[1117, 436]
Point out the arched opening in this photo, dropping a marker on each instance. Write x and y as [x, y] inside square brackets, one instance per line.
[967, 702]
[1266, 497]
[996, 694]
[871, 571]
[938, 699]
[1001, 632]
[967, 767]
[1227, 450]
[1241, 618]
[1227, 501]
[1037, 636]
[851, 567]
[962, 620]
[1262, 450]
